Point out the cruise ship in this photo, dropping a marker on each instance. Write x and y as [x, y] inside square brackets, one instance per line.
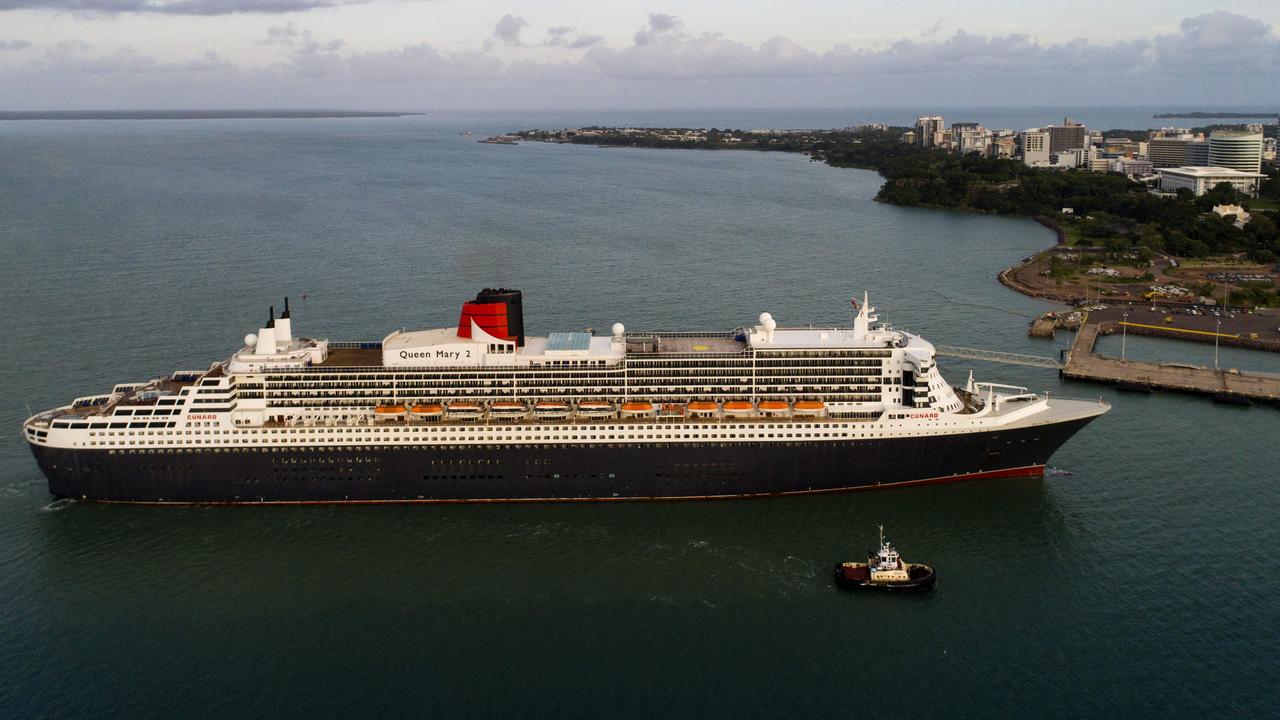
[479, 412]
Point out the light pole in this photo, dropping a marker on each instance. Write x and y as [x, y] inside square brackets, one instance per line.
[1124, 333]
[1215, 344]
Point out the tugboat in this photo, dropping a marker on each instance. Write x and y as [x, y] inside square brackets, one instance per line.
[885, 570]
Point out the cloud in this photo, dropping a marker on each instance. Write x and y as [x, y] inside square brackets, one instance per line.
[1219, 40]
[1216, 57]
[13, 44]
[508, 29]
[281, 35]
[659, 24]
[176, 7]
[560, 37]
[302, 41]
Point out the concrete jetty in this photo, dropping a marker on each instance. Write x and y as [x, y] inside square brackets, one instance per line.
[1083, 364]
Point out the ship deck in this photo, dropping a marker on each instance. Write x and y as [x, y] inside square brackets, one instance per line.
[353, 357]
[701, 345]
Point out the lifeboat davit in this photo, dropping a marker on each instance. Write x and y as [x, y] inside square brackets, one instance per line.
[428, 410]
[773, 406]
[699, 407]
[389, 412]
[595, 408]
[738, 407]
[507, 409]
[637, 408]
[809, 407]
[465, 410]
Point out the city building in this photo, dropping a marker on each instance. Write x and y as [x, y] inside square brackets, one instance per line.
[1237, 150]
[1203, 179]
[1068, 136]
[1004, 147]
[970, 137]
[1133, 167]
[1072, 158]
[1198, 153]
[1117, 147]
[1035, 147]
[1169, 150]
[929, 131]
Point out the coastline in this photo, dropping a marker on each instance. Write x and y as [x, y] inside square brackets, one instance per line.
[1008, 276]
[905, 184]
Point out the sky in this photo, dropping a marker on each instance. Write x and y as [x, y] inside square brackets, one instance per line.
[421, 55]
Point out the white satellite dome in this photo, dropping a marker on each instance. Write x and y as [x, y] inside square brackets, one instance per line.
[770, 324]
[618, 329]
[251, 340]
[765, 318]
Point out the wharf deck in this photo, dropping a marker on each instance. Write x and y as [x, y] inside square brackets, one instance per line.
[1084, 364]
[1043, 327]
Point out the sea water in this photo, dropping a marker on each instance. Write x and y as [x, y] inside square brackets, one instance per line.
[1140, 580]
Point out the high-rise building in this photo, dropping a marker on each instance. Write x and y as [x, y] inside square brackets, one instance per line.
[1236, 150]
[1068, 136]
[968, 137]
[1198, 153]
[1168, 151]
[1035, 146]
[929, 130]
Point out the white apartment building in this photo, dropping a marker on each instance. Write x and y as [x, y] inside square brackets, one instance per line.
[1035, 147]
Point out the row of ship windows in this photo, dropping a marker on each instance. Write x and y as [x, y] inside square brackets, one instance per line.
[633, 381]
[515, 446]
[514, 442]
[629, 388]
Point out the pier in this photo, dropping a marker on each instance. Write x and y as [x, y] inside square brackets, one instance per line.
[1230, 385]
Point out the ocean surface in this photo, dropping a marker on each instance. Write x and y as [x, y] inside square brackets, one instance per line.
[1138, 579]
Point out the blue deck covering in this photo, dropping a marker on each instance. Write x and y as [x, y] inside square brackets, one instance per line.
[567, 341]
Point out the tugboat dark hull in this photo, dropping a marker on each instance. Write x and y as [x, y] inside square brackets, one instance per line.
[858, 578]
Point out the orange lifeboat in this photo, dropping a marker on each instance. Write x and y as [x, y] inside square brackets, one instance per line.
[428, 410]
[464, 409]
[699, 407]
[389, 412]
[637, 408]
[507, 409]
[738, 407]
[809, 407]
[595, 408]
[773, 406]
[551, 409]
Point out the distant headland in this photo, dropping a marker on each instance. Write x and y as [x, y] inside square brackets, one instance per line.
[1201, 114]
[192, 114]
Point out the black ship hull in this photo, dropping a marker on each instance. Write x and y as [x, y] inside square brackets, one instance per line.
[550, 473]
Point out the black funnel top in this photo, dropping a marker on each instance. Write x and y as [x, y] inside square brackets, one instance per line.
[515, 309]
